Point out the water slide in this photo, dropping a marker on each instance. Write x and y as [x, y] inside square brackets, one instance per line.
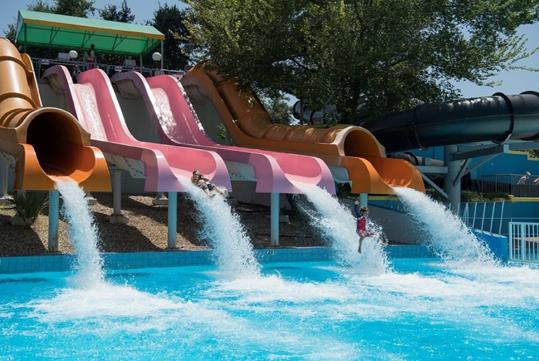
[172, 120]
[496, 118]
[352, 153]
[46, 144]
[93, 101]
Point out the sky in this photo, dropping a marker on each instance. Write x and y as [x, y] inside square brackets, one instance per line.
[513, 81]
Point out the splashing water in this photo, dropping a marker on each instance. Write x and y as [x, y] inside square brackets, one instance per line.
[233, 249]
[338, 226]
[83, 235]
[449, 238]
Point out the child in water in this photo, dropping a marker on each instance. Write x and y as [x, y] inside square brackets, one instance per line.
[204, 183]
[361, 214]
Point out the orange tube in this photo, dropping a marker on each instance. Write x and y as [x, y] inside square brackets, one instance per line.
[48, 144]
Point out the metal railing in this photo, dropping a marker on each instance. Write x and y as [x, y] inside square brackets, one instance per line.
[490, 217]
[483, 216]
[518, 185]
[75, 67]
[524, 242]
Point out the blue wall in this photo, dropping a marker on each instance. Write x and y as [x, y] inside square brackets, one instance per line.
[507, 163]
[499, 245]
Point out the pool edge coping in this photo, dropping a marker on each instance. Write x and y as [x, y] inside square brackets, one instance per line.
[178, 258]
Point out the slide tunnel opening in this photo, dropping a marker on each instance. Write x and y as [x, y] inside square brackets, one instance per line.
[361, 143]
[57, 142]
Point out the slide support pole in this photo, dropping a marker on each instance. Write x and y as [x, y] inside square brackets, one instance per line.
[452, 181]
[275, 218]
[5, 199]
[172, 219]
[363, 199]
[54, 218]
[117, 216]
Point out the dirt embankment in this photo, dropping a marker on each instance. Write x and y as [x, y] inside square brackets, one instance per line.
[147, 228]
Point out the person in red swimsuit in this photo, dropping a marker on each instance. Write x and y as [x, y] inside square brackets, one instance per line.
[362, 215]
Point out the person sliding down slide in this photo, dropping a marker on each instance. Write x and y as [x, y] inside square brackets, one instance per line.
[204, 183]
[361, 215]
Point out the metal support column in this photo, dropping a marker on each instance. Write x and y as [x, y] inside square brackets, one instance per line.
[452, 182]
[54, 218]
[275, 219]
[363, 199]
[162, 54]
[172, 219]
[5, 198]
[117, 216]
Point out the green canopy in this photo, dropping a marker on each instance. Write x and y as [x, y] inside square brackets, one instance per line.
[45, 29]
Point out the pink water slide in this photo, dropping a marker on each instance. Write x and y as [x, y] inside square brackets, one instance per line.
[176, 123]
[94, 103]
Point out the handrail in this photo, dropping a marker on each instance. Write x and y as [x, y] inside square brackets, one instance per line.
[77, 66]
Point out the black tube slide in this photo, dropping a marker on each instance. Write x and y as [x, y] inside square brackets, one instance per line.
[494, 118]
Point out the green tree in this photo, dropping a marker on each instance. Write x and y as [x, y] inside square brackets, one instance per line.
[80, 8]
[278, 108]
[113, 13]
[361, 55]
[122, 14]
[170, 21]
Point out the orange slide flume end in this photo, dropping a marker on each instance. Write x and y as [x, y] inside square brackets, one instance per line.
[47, 144]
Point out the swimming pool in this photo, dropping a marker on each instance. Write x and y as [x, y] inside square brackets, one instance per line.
[422, 309]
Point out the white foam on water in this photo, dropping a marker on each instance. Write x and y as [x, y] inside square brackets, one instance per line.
[232, 246]
[448, 236]
[82, 234]
[338, 227]
[267, 289]
[107, 310]
[101, 300]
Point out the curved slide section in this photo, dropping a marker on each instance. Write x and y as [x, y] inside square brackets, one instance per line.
[174, 122]
[47, 144]
[95, 104]
[352, 153]
[495, 118]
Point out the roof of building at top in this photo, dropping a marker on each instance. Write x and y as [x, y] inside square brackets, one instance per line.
[47, 29]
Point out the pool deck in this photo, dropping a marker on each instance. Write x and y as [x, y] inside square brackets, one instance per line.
[129, 260]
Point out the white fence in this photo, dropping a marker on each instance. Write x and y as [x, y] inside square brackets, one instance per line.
[484, 216]
[524, 242]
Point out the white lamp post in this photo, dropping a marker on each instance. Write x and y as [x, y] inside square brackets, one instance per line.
[156, 56]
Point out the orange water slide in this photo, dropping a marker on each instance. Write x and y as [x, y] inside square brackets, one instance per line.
[47, 144]
[352, 153]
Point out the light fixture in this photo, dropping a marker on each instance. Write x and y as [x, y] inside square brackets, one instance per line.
[156, 56]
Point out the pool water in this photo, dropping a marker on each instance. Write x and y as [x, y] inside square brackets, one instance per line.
[422, 309]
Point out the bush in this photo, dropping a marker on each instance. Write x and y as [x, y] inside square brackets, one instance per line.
[28, 206]
[471, 196]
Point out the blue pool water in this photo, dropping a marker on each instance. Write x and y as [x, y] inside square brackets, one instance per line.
[422, 309]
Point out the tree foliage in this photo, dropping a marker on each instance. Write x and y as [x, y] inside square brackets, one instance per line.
[79, 8]
[114, 13]
[368, 56]
[278, 109]
[169, 20]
